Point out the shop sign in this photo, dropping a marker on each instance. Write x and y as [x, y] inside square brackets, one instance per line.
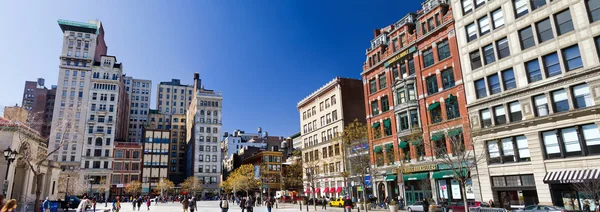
[455, 190]
[368, 181]
[469, 189]
[422, 168]
[120, 186]
[399, 56]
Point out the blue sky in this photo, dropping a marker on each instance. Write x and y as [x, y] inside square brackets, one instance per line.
[264, 55]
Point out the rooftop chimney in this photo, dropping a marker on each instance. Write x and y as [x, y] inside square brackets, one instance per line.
[197, 81]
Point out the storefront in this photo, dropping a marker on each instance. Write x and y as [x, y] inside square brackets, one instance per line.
[392, 185]
[417, 184]
[448, 188]
[570, 189]
[514, 191]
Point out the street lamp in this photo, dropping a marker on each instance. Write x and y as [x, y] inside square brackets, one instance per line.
[10, 156]
[90, 180]
[67, 190]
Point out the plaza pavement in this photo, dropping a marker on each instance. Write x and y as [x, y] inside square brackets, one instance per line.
[213, 206]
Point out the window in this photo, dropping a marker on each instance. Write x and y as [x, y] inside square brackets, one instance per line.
[504, 151]
[499, 115]
[432, 86]
[526, 36]
[480, 88]
[452, 111]
[544, 30]
[502, 48]
[484, 25]
[591, 137]
[372, 86]
[493, 152]
[436, 112]
[486, 118]
[414, 118]
[443, 50]
[559, 101]
[534, 73]
[467, 6]
[520, 8]
[412, 95]
[564, 22]
[447, 78]
[385, 105]
[572, 57]
[515, 111]
[403, 121]
[593, 7]
[428, 58]
[430, 24]
[400, 96]
[475, 60]
[551, 64]
[387, 128]
[494, 84]
[508, 150]
[382, 84]
[541, 105]
[411, 66]
[471, 32]
[374, 107]
[498, 18]
[582, 96]
[488, 54]
[508, 78]
[537, 4]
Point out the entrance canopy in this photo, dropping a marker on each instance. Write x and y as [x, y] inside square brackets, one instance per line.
[571, 176]
[448, 173]
[339, 189]
[416, 176]
[391, 177]
[326, 190]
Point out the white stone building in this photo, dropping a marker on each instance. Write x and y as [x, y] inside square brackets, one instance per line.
[140, 94]
[532, 79]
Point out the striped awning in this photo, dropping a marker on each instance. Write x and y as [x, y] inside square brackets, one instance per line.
[571, 176]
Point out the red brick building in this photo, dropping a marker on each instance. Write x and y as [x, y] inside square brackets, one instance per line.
[39, 102]
[414, 100]
[126, 166]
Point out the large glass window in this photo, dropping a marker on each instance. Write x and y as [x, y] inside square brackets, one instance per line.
[537, 4]
[452, 111]
[404, 121]
[436, 113]
[498, 18]
[374, 107]
[534, 73]
[508, 150]
[447, 78]
[475, 60]
[428, 57]
[480, 88]
[493, 152]
[593, 9]
[559, 101]
[526, 37]
[414, 118]
[571, 141]
[471, 32]
[372, 86]
[564, 22]
[486, 118]
[551, 145]
[412, 94]
[515, 111]
[523, 148]
[575, 141]
[488, 54]
[520, 8]
[385, 105]
[544, 30]
[484, 25]
[551, 64]
[411, 66]
[502, 48]
[432, 86]
[572, 57]
[582, 96]
[508, 78]
[541, 105]
[467, 6]
[592, 138]
[443, 50]
[382, 81]
[494, 84]
[499, 115]
[400, 96]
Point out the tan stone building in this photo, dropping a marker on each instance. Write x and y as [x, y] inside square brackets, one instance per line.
[176, 124]
[155, 159]
[532, 79]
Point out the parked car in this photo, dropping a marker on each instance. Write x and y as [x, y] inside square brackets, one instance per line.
[70, 201]
[337, 202]
[459, 206]
[541, 208]
[418, 206]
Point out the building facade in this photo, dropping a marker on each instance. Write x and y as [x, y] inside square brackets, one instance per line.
[127, 163]
[532, 79]
[173, 97]
[269, 164]
[39, 102]
[204, 123]
[176, 124]
[140, 94]
[323, 115]
[155, 159]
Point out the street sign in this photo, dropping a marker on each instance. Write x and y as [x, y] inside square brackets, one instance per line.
[120, 186]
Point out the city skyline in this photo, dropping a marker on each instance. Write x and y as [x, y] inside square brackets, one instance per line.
[298, 37]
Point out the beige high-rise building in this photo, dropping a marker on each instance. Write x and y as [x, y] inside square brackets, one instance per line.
[531, 71]
[173, 97]
[155, 160]
[140, 94]
[176, 124]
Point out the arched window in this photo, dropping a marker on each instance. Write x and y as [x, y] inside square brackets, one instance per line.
[98, 141]
[201, 112]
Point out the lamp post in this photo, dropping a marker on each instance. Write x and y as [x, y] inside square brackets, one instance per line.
[67, 190]
[90, 180]
[10, 156]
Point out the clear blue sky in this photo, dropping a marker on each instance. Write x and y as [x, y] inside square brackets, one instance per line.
[264, 55]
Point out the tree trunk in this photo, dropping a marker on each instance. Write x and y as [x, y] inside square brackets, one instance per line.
[461, 184]
[364, 187]
[38, 190]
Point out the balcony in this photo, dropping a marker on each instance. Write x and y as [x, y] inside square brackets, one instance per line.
[382, 39]
[407, 19]
[432, 4]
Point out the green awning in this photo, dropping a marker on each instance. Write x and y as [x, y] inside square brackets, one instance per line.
[437, 136]
[448, 174]
[402, 144]
[389, 146]
[387, 123]
[416, 176]
[376, 125]
[433, 106]
[391, 177]
[454, 132]
[451, 98]
[377, 149]
[416, 142]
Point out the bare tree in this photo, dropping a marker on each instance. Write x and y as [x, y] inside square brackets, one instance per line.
[71, 185]
[33, 149]
[356, 144]
[588, 188]
[311, 167]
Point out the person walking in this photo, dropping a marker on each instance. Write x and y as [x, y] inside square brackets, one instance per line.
[46, 205]
[249, 204]
[586, 206]
[243, 204]
[347, 204]
[269, 204]
[425, 205]
[117, 205]
[139, 202]
[10, 206]
[324, 202]
[224, 205]
[193, 204]
[133, 202]
[85, 202]
[148, 202]
[186, 203]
